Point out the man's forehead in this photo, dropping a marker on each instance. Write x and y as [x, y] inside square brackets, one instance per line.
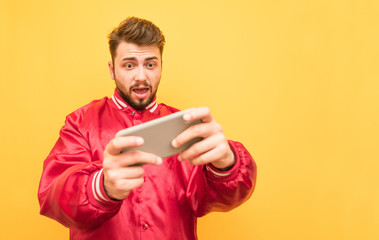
[126, 49]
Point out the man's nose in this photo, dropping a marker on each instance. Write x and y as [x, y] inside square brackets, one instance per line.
[141, 74]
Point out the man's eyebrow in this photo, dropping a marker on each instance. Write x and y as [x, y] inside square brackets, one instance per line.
[129, 58]
[135, 59]
[151, 58]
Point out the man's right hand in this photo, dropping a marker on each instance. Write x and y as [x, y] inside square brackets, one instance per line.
[120, 176]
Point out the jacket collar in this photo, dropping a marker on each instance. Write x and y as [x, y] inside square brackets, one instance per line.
[121, 104]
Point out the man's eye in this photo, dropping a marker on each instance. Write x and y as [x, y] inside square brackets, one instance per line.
[150, 65]
[129, 65]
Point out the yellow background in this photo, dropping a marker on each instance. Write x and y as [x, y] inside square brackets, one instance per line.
[295, 81]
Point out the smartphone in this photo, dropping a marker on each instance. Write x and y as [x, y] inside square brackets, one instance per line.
[159, 133]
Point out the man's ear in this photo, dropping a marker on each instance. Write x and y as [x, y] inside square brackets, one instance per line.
[111, 69]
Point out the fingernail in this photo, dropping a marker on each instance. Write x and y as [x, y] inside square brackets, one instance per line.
[173, 143]
[139, 141]
[159, 160]
[180, 157]
[186, 117]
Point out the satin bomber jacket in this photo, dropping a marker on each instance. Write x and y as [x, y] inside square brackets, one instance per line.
[166, 206]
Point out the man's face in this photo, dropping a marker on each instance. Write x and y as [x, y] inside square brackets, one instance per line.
[137, 72]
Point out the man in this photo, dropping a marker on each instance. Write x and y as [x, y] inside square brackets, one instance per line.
[98, 192]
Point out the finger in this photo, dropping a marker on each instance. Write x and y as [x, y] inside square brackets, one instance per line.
[201, 147]
[197, 130]
[116, 145]
[129, 184]
[208, 157]
[122, 188]
[126, 173]
[202, 130]
[134, 157]
[201, 113]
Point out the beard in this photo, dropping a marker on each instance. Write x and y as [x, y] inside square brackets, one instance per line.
[137, 104]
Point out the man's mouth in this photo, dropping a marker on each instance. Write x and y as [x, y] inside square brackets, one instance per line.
[141, 92]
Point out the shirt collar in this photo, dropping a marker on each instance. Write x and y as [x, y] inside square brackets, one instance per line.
[121, 104]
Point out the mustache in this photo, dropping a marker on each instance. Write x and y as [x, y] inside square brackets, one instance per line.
[144, 84]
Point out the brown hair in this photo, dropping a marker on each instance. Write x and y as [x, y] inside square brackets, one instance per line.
[138, 31]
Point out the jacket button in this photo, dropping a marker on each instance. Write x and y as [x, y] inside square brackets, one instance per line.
[145, 226]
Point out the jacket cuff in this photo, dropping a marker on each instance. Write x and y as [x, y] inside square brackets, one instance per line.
[96, 192]
[218, 175]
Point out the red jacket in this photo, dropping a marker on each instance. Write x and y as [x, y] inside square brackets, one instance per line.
[166, 206]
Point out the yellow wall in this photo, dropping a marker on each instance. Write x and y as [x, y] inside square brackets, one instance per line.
[295, 81]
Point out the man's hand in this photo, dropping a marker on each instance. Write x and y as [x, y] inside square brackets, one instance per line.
[120, 177]
[214, 147]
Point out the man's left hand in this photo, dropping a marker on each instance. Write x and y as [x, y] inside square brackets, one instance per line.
[214, 147]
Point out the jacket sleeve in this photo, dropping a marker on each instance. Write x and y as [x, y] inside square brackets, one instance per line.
[210, 189]
[69, 189]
